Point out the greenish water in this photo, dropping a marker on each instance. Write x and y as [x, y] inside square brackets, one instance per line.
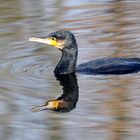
[108, 107]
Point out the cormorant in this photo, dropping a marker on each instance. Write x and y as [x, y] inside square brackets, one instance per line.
[68, 100]
[66, 43]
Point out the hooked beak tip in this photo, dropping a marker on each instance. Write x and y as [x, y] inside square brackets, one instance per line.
[35, 39]
[31, 39]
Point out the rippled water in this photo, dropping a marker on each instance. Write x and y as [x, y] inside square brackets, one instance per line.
[108, 107]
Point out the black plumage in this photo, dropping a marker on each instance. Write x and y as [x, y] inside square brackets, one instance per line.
[69, 49]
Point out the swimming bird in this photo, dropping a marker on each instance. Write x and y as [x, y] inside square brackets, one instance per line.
[65, 41]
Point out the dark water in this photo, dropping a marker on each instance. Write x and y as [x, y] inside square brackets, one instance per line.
[108, 107]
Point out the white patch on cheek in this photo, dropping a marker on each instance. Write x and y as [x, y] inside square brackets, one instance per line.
[60, 44]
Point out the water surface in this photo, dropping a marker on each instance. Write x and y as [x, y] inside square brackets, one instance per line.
[108, 107]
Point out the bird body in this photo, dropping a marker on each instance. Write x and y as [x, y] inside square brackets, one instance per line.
[66, 43]
[114, 66]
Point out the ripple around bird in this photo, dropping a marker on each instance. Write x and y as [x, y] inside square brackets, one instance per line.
[28, 71]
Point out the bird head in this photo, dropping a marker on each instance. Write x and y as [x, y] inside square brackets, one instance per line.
[59, 39]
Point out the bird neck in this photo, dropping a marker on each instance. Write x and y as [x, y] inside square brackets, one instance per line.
[67, 62]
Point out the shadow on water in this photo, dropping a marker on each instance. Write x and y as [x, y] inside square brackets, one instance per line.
[67, 101]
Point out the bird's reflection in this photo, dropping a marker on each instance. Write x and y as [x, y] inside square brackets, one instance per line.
[67, 101]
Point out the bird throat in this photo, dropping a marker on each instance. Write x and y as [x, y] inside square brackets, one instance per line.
[67, 62]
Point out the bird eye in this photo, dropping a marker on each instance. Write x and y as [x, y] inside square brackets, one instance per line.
[53, 38]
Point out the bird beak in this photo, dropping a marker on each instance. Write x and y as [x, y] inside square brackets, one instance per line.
[50, 105]
[48, 41]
